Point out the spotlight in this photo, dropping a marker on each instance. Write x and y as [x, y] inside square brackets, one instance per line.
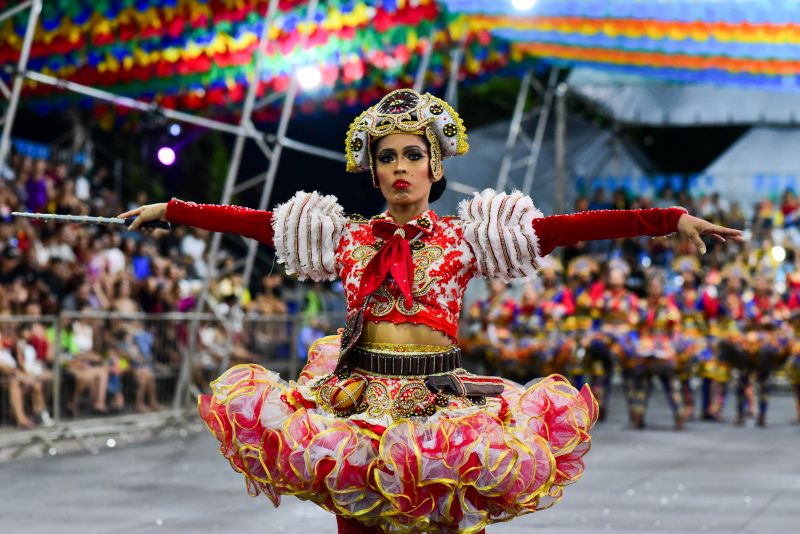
[175, 129]
[309, 77]
[523, 5]
[778, 253]
[166, 156]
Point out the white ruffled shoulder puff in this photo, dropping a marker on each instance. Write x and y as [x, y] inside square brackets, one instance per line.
[307, 231]
[499, 229]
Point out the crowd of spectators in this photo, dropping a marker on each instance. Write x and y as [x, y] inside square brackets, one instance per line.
[113, 364]
[771, 229]
[82, 272]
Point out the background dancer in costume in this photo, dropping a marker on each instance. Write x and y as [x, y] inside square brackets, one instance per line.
[709, 306]
[558, 305]
[359, 430]
[793, 362]
[542, 348]
[531, 338]
[690, 340]
[655, 355]
[587, 293]
[729, 346]
[491, 321]
[766, 314]
[619, 308]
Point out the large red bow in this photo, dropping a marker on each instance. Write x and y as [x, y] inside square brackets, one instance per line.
[394, 257]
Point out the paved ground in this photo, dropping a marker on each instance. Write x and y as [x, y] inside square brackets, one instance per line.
[710, 478]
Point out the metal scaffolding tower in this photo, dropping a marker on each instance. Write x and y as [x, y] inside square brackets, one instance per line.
[517, 134]
[270, 145]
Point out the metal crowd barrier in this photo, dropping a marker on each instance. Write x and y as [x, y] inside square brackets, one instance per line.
[99, 363]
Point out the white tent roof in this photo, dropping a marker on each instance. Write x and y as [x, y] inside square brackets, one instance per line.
[762, 163]
[762, 150]
[643, 101]
[591, 152]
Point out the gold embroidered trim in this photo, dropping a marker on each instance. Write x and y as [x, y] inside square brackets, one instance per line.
[413, 399]
[482, 258]
[384, 302]
[514, 239]
[306, 200]
[309, 241]
[506, 256]
[488, 229]
[531, 246]
[404, 377]
[377, 399]
[403, 348]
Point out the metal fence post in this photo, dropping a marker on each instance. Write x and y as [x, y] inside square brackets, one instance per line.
[226, 357]
[294, 358]
[57, 369]
[185, 371]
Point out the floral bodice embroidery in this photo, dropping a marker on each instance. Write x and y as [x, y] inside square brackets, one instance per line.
[443, 264]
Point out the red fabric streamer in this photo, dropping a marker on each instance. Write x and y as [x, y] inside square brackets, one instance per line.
[394, 257]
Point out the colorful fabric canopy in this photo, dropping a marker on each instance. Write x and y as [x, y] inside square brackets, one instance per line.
[195, 54]
[750, 42]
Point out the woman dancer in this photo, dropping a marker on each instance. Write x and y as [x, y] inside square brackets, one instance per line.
[384, 428]
[655, 357]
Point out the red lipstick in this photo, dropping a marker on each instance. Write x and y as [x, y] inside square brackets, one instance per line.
[401, 184]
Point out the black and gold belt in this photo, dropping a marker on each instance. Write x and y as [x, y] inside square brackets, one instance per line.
[412, 360]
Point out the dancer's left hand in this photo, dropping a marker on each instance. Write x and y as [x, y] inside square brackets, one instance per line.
[692, 228]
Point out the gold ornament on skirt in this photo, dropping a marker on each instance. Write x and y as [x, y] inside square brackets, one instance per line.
[346, 395]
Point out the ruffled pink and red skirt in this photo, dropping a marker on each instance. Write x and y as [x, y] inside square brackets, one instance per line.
[457, 470]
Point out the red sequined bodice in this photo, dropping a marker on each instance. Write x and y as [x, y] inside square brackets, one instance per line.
[443, 264]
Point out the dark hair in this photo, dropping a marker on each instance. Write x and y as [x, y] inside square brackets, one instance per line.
[437, 189]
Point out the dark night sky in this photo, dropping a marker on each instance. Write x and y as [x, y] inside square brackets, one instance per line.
[303, 171]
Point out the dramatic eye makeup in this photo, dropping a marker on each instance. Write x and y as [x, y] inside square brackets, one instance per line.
[412, 152]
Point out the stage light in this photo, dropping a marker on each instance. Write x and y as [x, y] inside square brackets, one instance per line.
[523, 5]
[309, 77]
[166, 156]
[778, 253]
[175, 129]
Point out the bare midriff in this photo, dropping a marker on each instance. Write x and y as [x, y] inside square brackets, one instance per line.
[403, 334]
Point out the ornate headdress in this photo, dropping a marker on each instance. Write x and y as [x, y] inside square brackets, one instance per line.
[736, 270]
[553, 265]
[583, 266]
[686, 263]
[618, 264]
[406, 111]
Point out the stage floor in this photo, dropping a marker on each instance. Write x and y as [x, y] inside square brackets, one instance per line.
[712, 477]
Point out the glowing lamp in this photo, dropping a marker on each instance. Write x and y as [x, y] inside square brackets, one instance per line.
[309, 77]
[523, 5]
[166, 156]
[778, 253]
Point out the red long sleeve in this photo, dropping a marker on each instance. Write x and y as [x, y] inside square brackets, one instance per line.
[564, 230]
[247, 222]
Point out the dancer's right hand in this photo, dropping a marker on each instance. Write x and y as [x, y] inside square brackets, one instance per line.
[146, 213]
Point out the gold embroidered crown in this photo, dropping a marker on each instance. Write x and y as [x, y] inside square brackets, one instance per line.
[406, 111]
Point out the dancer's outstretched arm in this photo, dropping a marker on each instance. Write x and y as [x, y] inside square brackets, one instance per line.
[247, 222]
[564, 230]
